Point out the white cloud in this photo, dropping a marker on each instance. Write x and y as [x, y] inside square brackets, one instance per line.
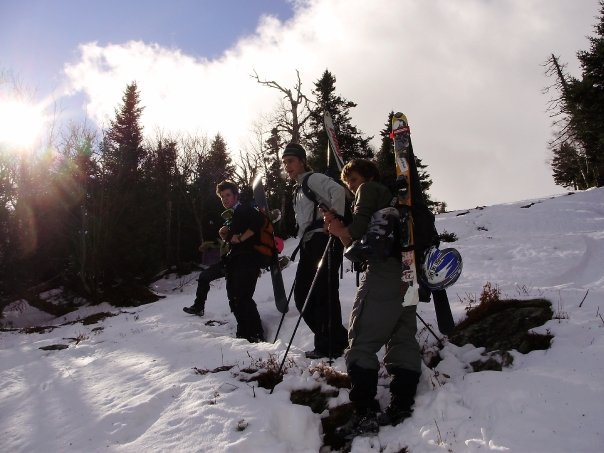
[467, 73]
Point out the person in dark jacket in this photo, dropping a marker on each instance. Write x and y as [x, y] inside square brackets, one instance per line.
[241, 265]
[378, 316]
[323, 313]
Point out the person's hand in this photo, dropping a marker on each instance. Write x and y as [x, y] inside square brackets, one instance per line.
[328, 216]
[336, 227]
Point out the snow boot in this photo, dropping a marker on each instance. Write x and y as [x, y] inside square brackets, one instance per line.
[363, 422]
[402, 388]
[362, 394]
[194, 310]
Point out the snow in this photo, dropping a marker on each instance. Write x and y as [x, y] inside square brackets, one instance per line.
[128, 383]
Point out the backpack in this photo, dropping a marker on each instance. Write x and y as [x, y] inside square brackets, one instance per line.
[265, 245]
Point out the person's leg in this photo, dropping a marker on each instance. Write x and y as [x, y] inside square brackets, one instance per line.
[310, 256]
[242, 277]
[403, 362]
[206, 276]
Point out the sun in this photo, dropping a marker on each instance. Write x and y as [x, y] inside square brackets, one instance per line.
[21, 123]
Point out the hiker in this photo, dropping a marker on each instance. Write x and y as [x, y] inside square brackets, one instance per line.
[378, 317]
[322, 315]
[240, 265]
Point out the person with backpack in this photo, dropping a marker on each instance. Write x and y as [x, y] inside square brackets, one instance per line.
[323, 313]
[378, 317]
[240, 265]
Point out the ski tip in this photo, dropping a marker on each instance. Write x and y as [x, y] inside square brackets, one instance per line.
[257, 181]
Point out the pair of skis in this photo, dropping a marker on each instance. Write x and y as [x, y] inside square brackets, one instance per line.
[406, 174]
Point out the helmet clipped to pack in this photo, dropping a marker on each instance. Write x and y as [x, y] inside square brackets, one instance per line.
[441, 268]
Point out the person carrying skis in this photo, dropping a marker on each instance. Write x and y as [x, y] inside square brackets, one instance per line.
[241, 265]
[323, 316]
[378, 317]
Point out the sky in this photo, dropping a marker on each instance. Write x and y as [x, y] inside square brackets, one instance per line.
[128, 383]
[468, 74]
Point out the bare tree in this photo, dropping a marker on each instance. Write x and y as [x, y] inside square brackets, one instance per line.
[294, 110]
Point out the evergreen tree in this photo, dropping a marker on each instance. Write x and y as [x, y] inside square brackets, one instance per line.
[212, 168]
[384, 158]
[278, 188]
[124, 152]
[578, 146]
[350, 139]
[161, 175]
[570, 167]
[589, 95]
[125, 209]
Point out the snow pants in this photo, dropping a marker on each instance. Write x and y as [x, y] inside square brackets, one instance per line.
[378, 318]
[206, 276]
[322, 315]
[242, 272]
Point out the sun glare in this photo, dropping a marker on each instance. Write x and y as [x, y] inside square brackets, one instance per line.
[20, 123]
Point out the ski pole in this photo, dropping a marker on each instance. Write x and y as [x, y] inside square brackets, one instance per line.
[439, 340]
[329, 301]
[312, 287]
[283, 315]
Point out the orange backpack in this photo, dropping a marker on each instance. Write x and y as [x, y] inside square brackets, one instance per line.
[266, 239]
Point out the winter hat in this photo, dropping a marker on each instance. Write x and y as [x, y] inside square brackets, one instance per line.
[295, 149]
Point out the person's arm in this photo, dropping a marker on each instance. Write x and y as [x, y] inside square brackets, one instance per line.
[247, 221]
[364, 206]
[328, 192]
[242, 237]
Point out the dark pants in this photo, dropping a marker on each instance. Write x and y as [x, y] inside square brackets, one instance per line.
[242, 272]
[322, 315]
[208, 275]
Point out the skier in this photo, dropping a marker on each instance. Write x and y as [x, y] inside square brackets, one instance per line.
[241, 265]
[378, 317]
[323, 316]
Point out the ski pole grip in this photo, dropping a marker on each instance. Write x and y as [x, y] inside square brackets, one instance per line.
[323, 207]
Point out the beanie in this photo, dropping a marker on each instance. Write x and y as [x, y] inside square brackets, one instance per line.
[295, 149]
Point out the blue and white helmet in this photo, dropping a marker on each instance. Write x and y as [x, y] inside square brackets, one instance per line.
[441, 268]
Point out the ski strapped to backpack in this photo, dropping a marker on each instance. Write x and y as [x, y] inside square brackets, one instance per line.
[402, 157]
[419, 231]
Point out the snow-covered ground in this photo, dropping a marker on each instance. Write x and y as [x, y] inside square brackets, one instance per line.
[128, 383]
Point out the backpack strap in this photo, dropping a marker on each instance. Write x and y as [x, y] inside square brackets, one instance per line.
[314, 223]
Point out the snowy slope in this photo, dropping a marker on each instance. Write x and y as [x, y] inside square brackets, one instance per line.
[128, 383]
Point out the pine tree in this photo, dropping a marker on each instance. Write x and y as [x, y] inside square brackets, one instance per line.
[350, 139]
[212, 168]
[124, 207]
[570, 167]
[589, 94]
[578, 146]
[384, 158]
[278, 188]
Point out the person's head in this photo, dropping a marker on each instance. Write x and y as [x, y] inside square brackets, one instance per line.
[228, 193]
[358, 171]
[294, 160]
